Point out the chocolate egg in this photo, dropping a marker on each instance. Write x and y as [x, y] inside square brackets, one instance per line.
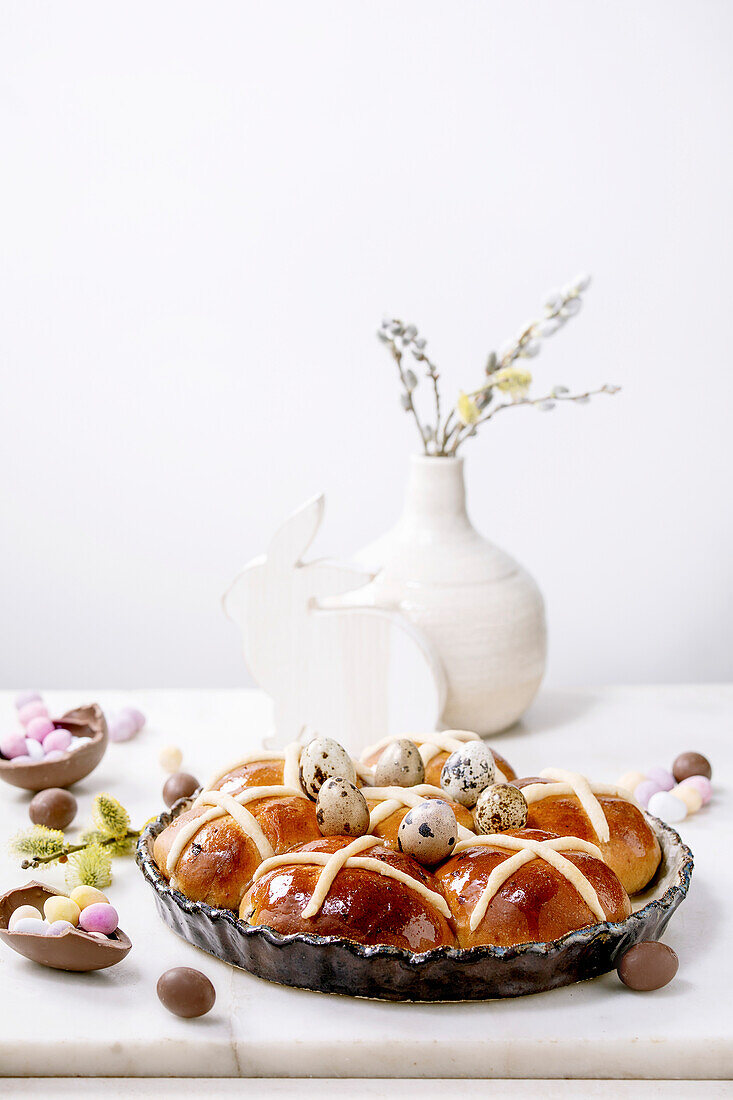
[179, 785]
[400, 765]
[691, 763]
[500, 807]
[341, 809]
[322, 759]
[466, 773]
[428, 832]
[186, 992]
[54, 808]
[649, 965]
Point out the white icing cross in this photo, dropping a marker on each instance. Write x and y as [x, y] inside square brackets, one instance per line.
[527, 849]
[348, 857]
[429, 745]
[391, 799]
[574, 783]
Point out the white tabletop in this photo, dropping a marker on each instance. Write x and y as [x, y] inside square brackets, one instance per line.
[110, 1023]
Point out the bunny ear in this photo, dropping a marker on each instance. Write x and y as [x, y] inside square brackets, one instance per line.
[297, 533]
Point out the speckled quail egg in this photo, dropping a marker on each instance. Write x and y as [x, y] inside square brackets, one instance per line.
[400, 765]
[466, 772]
[500, 807]
[341, 809]
[428, 832]
[322, 759]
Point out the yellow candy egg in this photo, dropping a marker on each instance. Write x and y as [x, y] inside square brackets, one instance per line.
[631, 780]
[88, 895]
[61, 908]
[690, 796]
[170, 759]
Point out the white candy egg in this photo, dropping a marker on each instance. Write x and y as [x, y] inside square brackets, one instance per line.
[428, 832]
[400, 765]
[466, 773]
[341, 809]
[23, 912]
[322, 759]
[668, 807]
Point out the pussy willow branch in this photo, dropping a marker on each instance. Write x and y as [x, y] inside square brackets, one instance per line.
[72, 849]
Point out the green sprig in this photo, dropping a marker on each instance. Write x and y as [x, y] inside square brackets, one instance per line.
[92, 866]
[110, 816]
[38, 843]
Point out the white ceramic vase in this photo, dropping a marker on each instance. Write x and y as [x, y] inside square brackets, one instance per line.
[480, 611]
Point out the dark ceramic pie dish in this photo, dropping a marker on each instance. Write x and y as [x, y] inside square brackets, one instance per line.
[332, 965]
[86, 721]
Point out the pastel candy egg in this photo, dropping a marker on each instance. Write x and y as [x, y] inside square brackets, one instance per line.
[13, 745]
[34, 749]
[26, 697]
[25, 759]
[664, 804]
[99, 917]
[53, 756]
[500, 807]
[428, 832]
[38, 728]
[664, 779]
[631, 780]
[400, 765]
[30, 924]
[702, 784]
[341, 809]
[78, 743]
[58, 907]
[57, 741]
[170, 758]
[31, 711]
[21, 913]
[59, 928]
[123, 728]
[322, 759]
[690, 796]
[645, 790]
[466, 773]
[135, 716]
[88, 895]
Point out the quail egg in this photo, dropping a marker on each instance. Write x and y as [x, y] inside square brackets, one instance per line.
[322, 759]
[500, 807]
[428, 832]
[341, 809]
[400, 765]
[466, 772]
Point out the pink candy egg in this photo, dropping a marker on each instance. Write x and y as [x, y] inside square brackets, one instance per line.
[700, 783]
[665, 780]
[57, 741]
[38, 728]
[645, 790]
[32, 710]
[27, 697]
[99, 917]
[13, 746]
[54, 755]
[24, 760]
[60, 928]
[134, 715]
[122, 728]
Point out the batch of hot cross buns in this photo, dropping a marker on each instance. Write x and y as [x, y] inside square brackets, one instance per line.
[423, 843]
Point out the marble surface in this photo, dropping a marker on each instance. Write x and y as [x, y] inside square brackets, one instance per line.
[111, 1024]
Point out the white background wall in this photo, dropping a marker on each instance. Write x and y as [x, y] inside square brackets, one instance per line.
[206, 209]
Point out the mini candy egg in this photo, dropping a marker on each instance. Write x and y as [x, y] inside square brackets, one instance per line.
[135, 716]
[13, 745]
[32, 925]
[631, 780]
[38, 728]
[428, 832]
[31, 711]
[34, 749]
[85, 896]
[58, 907]
[59, 928]
[57, 741]
[690, 796]
[100, 916]
[123, 728]
[78, 743]
[664, 804]
[645, 790]
[400, 765]
[467, 771]
[186, 992]
[21, 913]
[322, 759]
[648, 965]
[54, 808]
[691, 763]
[55, 754]
[25, 759]
[702, 784]
[170, 758]
[500, 807]
[27, 697]
[179, 785]
[663, 778]
[341, 809]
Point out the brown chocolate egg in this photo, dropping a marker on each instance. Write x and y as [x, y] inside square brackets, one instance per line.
[691, 763]
[179, 785]
[54, 808]
[186, 992]
[649, 965]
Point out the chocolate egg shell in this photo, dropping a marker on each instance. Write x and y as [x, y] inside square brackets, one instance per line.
[179, 785]
[88, 721]
[322, 759]
[75, 950]
[466, 772]
[400, 765]
[55, 808]
[341, 809]
[647, 966]
[428, 832]
[186, 992]
[500, 808]
[691, 763]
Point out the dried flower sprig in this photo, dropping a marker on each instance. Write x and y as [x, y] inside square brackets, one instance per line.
[504, 373]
